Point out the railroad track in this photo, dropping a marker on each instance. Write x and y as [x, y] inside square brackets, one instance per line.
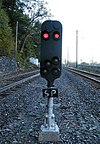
[90, 76]
[10, 84]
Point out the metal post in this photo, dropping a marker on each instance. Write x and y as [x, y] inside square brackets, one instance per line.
[49, 130]
[68, 56]
[76, 48]
[16, 39]
[50, 113]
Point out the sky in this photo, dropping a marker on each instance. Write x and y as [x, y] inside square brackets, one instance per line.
[81, 15]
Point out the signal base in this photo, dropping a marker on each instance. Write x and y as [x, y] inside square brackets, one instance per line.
[49, 135]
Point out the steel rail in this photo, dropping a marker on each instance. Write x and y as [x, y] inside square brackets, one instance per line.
[19, 75]
[5, 88]
[80, 72]
[86, 72]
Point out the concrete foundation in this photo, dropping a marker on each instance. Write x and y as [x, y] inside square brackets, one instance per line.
[47, 135]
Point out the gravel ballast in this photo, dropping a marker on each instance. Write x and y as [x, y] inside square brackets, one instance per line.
[77, 112]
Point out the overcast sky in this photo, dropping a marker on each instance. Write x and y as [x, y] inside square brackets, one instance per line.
[84, 16]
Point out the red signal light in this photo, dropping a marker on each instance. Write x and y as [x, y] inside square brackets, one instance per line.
[56, 35]
[45, 35]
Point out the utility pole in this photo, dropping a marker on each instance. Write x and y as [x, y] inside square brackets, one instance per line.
[67, 56]
[16, 39]
[76, 48]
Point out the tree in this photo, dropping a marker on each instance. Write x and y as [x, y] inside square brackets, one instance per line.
[32, 47]
[34, 9]
[37, 11]
[6, 40]
[29, 14]
[14, 12]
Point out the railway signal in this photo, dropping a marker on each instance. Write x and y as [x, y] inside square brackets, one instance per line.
[51, 50]
[50, 69]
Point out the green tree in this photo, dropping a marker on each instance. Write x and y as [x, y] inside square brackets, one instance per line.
[35, 9]
[14, 12]
[6, 40]
[32, 47]
[29, 14]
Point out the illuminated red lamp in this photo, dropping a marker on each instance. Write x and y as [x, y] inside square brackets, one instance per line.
[56, 35]
[45, 35]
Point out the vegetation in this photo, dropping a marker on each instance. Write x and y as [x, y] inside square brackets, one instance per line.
[6, 40]
[28, 14]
